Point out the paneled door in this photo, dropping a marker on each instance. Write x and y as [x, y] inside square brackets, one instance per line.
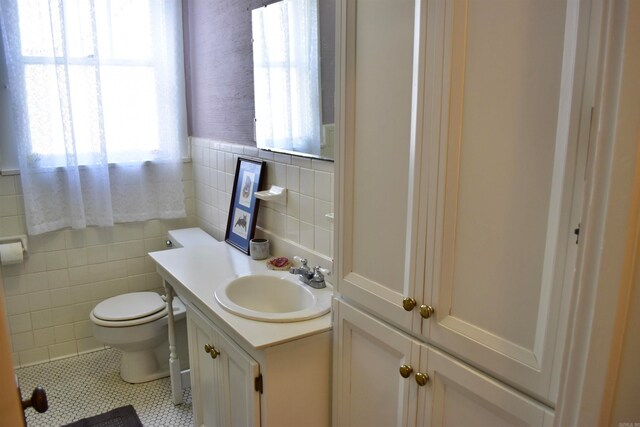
[239, 394]
[462, 396]
[377, 157]
[222, 377]
[504, 161]
[374, 369]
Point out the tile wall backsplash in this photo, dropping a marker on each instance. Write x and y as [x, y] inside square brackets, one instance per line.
[309, 185]
[49, 297]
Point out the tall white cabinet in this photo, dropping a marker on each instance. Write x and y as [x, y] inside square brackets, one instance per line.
[463, 138]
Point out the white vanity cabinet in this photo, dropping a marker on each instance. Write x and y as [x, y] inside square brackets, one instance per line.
[387, 378]
[263, 373]
[225, 380]
[234, 385]
[463, 133]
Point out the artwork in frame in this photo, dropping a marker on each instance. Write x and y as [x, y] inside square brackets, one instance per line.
[243, 211]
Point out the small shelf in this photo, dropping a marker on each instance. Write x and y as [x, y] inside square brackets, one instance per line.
[273, 194]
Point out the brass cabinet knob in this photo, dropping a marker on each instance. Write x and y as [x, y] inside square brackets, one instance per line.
[422, 379]
[426, 311]
[405, 371]
[408, 303]
[211, 350]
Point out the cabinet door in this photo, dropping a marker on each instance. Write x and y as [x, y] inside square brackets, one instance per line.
[461, 396]
[204, 372]
[369, 390]
[500, 183]
[240, 399]
[222, 377]
[376, 156]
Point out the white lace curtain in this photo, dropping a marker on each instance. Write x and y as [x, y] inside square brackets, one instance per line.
[98, 109]
[286, 79]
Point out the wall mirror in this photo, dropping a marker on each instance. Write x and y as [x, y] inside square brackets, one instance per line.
[293, 72]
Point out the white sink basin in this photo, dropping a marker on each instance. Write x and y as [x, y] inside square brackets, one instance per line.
[273, 297]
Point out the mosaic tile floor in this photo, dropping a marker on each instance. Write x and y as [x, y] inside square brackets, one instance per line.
[90, 384]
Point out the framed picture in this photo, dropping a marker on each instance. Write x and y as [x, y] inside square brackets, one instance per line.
[243, 211]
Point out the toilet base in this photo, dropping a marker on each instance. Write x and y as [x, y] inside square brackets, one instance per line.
[145, 365]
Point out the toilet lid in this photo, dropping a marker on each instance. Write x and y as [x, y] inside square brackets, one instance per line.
[129, 306]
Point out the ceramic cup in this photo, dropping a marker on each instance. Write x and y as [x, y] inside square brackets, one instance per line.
[259, 248]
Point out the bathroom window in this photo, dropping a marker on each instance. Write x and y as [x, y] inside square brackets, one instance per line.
[93, 75]
[96, 92]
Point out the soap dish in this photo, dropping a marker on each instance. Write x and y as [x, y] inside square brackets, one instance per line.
[278, 263]
[273, 194]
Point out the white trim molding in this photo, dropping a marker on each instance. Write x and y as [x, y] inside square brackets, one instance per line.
[608, 224]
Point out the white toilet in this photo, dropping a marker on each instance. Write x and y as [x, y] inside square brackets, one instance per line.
[136, 323]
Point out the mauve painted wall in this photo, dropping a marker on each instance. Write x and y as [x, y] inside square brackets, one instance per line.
[219, 67]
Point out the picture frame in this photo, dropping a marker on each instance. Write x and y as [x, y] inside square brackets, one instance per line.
[243, 209]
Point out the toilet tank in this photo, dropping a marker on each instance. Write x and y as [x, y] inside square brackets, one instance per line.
[189, 237]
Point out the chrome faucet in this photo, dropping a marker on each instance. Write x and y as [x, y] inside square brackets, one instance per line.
[312, 277]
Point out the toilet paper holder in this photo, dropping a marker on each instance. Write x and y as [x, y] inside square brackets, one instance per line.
[14, 239]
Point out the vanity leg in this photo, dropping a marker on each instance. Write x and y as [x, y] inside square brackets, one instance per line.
[174, 361]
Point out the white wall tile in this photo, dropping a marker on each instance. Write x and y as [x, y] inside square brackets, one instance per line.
[74, 239]
[322, 241]
[292, 229]
[293, 178]
[61, 298]
[293, 204]
[58, 279]
[20, 323]
[96, 254]
[37, 282]
[135, 266]
[322, 208]
[63, 333]
[86, 345]
[35, 263]
[323, 190]
[56, 260]
[65, 349]
[8, 205]
[22, 341]
[77, 257]
[17, 304]
[83, 329]
[307, 185]
[307, 233]
[41, 319]
[34, 356]
[43, 337]
[229, 164]
[307, 209]
[14, 285]
[62, 315]
[117, 251]
[303, 162]
[7, 186]
[79, 275]
[322, 165]
[39, 301]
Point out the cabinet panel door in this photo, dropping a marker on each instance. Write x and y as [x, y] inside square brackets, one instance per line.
[462, 396]
[240, 399]
[203, 371]
[502, 183]
[376, 156]
[369, 388]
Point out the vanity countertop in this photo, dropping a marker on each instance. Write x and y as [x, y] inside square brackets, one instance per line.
[196, 271]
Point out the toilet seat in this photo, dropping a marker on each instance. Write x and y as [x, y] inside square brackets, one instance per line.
[130, 309]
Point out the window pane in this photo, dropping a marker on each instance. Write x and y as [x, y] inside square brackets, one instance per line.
[130, 113]
[124, 29]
